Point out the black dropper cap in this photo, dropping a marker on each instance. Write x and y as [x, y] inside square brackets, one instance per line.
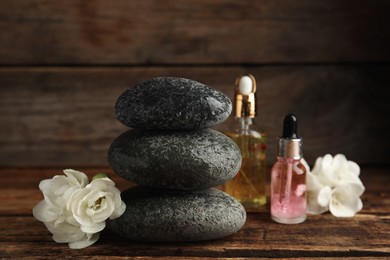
[290, 126]
[290, 145]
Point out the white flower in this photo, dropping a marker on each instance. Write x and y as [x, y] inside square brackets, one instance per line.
[92, 205]
[334, 185]
[72, 234]
[314, 187]
[333, 171]
[66, 225]
[56, 192]
[342, 200]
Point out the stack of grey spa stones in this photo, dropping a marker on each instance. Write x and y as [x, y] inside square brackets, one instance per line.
[175, 159]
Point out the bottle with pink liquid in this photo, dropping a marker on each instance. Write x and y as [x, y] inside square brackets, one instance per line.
[288, 177]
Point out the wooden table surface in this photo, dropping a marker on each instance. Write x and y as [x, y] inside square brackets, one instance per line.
[367, 235]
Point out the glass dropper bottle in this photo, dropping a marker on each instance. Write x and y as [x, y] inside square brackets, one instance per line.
[249, 185]
[288, 177]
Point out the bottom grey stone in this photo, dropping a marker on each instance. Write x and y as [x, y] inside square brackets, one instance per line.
[172, 215]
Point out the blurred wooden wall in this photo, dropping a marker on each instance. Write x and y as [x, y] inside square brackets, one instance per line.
[63, 64]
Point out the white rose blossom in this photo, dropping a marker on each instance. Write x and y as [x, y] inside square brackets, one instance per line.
[95, 203]
[334, 185]
[75, 211]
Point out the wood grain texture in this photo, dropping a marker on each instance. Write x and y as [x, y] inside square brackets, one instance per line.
[65, 116]
[63, 64]
[365, 235]
[193, 32]
[21, 185]
[258, 238]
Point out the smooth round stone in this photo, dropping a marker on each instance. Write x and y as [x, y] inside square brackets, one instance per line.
[170, 103]
[171, 215]
[185, 160]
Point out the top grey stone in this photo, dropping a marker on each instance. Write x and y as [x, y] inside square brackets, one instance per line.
[170, 103]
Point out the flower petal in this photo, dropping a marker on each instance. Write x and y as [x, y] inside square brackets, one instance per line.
[312, 204]
[59, 184]
[327, 163]
[324, 196]
[313, 188]
[78, 178]
[44, 186]
[313, 183]
[63, 237]
[94, 228]
[339, 160]
[354, 186]
[105, 211]
[317, 168]
[119, 211]
[353, 168]
[89, 239]
[101, 183]
[344, 203]
[42, 212]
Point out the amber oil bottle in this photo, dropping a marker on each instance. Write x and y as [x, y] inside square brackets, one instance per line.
[249, 185]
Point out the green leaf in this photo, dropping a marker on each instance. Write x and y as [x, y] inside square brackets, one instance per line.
[99, 176]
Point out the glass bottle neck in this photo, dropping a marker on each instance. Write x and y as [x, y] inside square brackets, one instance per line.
[245, 124]
[287, 160]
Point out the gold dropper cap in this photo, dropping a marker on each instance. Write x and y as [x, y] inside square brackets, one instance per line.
[245, 101]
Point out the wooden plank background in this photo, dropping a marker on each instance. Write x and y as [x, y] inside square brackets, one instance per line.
[63, 63]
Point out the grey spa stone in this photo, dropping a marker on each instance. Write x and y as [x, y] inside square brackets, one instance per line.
[170, 103]
[186, 160]
[177, 216]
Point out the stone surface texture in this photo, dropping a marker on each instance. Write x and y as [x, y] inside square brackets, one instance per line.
[171, 103]
[175, 158]
[185, 160]
[172, 215]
